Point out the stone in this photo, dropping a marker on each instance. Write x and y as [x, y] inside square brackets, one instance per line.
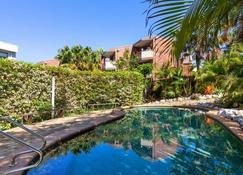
[241, 123]
[220, 95]
[237, 118]
[202, 98]
[216, 108]
[222, 113]
[195, 97]
[162, 101]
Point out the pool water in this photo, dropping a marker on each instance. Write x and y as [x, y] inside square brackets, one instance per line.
[151, 141]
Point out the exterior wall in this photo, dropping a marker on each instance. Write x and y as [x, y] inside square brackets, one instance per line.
[162, 58]
[119, 51]
[154, 52]
[8, 50]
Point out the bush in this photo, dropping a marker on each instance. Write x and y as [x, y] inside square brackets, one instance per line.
[170, 83]
[225, 75]
[27, 87]
[145, 69]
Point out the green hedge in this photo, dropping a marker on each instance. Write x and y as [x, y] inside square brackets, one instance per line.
[27, 87]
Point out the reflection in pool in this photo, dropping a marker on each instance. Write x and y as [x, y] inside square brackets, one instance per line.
[153, 141]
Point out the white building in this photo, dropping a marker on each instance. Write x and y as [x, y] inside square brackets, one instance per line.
[8, 50]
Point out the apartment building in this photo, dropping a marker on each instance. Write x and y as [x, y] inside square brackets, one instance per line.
[148, 50]
[110, 57]
[8, 50]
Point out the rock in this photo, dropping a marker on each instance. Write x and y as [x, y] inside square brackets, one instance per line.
[241, 123]
[202, 98]
[220, 95]
[222, 113]
[229, 111]
[209, 96]
[237, 118]
[216, 108]
[162, 101]
[195, 96]
[240, 112]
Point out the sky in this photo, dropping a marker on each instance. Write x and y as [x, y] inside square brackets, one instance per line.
[41, 27]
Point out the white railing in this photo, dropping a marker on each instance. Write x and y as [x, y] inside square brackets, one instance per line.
[147, 55]
[109, 65]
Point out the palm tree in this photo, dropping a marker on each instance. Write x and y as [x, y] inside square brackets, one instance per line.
[82, 58]
[177, 21]
[64, 55]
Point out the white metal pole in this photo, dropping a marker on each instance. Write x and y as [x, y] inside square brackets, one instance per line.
[53, 97]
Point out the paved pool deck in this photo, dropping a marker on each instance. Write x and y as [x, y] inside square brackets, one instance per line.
[59, 130]
[55, 132]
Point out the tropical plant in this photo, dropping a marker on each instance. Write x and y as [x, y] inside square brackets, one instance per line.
[226, 74]
[170, 82]
[127, 62]
[211, 21]
[79, 57]
[123, 63]
[145, 69]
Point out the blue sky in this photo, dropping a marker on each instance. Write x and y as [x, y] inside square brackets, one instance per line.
[41, 27]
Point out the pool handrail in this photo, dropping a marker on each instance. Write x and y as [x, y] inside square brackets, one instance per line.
[38, 150]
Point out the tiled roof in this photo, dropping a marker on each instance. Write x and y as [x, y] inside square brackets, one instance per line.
[50, 62]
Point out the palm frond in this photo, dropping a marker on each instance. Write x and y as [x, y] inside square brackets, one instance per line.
[179, 20]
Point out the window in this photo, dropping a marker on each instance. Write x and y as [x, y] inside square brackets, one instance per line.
[3, 54]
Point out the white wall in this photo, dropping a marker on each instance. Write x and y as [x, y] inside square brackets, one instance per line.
[8, 50]
[109, 65]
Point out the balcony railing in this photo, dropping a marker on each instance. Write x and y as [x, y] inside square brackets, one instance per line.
[146, 55]
[109, 65]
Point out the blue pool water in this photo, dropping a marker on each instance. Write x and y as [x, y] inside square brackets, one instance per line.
[154, 141]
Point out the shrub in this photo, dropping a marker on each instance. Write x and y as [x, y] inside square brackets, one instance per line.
[226, 75]
[170, 83]
[145, 69]
[26, 87]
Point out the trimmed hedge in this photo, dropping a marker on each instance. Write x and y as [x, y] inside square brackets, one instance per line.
[27, 87]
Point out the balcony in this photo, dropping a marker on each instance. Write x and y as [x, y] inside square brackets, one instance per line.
[109, 65]
[146, 55]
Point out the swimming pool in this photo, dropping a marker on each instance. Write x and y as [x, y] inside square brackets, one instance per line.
[150, 141]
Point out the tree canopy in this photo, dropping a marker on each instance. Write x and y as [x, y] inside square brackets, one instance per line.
[83, 58]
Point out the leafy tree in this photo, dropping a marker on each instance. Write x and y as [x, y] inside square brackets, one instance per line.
[79, 57]
[127, 62]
